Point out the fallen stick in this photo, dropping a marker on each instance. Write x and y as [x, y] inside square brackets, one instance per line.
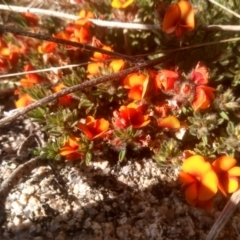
[225, 215]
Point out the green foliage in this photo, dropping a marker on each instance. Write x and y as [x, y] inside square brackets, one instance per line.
[228, 142]
[51, 149]
[169, 152]
[37, 92]
[63, 120]
[202, 125]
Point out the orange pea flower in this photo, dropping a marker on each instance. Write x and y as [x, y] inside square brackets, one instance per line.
[200, 74]
[97, 56]
[179, 18]
[47, 47]
[86, 14]
[203, 97]
[93, 69]
[65, 100]
[169, 122]
[137, 83]
[117, 65]
[9, 53]
[31, 78]
[24, 100]
[227, 173]
[130, 115]
[62, 35]
[165, 79]
[199, 180]
[80, 30]
[94, 128]
[70, 150]
[203, 94]
[31, 18]
[121, 3]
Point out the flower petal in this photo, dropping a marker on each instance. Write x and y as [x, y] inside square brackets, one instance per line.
[169, 122]
[232, 185]
[223, 163]
[191, 191]
[187, 15]
[196, 166]
[85, 129]
[117, 65]
[208, 187]
[186, 178]
[171, 18]
[235, 171]
[134, 79]
[135, 93]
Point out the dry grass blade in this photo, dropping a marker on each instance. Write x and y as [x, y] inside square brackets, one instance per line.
[225, 215]
[225, 8]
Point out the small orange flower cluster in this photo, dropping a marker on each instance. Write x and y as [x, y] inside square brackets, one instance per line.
[92, 128]
[201, 180]
[9, 54]
[100, 65]
[30, 80]
[79, 31]
[168, 81]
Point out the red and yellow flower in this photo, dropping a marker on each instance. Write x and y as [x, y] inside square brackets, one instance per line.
[65, 100]
[121, 3]
[31, 18]
[170, 122]
[130, 115]
[9, 54]
[31, 78]
[165, 79]
[179, 18]
[199, 180]
[97, 56]
[94, 69]
[94, 128]
[24, 100]
[228, 174]
[138, 84]
[203, 97]
[203, 94]
[47, 47]
[70, 149]
[117, 65]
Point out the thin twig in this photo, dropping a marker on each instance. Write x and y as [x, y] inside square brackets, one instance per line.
[189, 47]
[4, 28]
[81, 86]
[225, 8]
[225, 215]
[98, 22]
[110, 24]
[40, 70]
[233, 28]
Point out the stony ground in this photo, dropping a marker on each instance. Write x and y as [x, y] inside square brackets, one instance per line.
[105, 200]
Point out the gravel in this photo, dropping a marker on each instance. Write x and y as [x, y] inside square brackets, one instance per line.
[105, 200]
